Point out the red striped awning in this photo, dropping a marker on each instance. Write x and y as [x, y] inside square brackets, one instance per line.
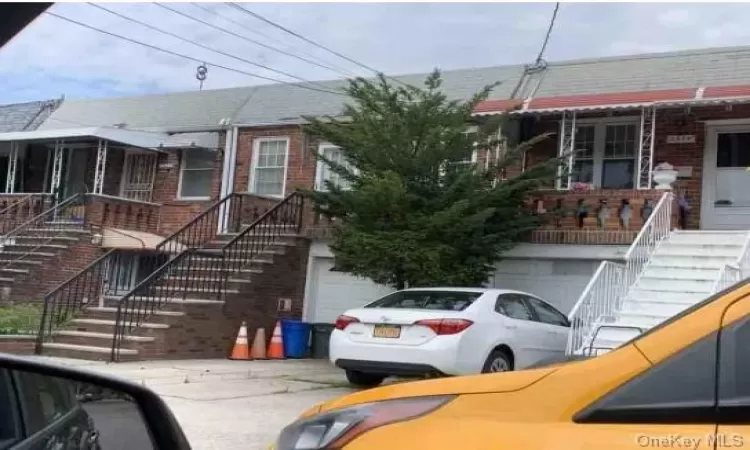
[617, 100]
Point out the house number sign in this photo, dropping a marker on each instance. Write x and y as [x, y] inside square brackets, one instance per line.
[681, 139]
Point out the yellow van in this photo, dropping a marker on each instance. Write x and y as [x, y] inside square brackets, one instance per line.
[682, 385]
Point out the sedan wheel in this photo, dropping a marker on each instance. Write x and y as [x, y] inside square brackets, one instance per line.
[498, 361]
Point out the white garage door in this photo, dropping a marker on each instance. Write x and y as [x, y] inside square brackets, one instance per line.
[560, 282]
[332, 293]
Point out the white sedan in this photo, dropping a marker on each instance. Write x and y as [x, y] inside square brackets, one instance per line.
[449, 331]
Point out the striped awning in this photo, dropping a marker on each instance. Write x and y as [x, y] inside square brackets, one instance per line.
[618, 101]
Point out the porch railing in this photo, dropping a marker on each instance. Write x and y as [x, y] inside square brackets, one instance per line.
[65, 216]
[22, 209]
[734, 273]
[236, 210]
[204, 272]
[72, 296]
[602, 298]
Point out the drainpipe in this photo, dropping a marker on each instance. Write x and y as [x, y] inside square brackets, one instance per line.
[227, 174]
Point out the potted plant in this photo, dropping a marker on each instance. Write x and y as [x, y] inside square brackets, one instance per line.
[664, 175]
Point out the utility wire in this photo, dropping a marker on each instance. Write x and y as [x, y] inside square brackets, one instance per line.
[176, 11]
[180, 55]
[176, 36]
[540, 58]
[309, 41]
[327, 64]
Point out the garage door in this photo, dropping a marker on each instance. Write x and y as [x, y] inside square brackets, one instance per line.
[560, 282]
[332, 293]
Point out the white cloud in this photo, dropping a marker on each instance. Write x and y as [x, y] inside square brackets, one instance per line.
[52, 57]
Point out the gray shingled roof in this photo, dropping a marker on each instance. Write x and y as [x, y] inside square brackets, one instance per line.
[684, 69]
[25, 116]
[284, 104]
[171, 111]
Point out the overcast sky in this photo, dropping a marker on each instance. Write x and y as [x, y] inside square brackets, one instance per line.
[52, 57]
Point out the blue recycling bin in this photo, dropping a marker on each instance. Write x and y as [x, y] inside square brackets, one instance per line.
[296, 336]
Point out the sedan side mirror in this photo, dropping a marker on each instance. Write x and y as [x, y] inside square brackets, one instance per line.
[43, 405]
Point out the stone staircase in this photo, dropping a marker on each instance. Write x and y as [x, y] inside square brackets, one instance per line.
[183, 323]
[27, 257]
[684, 269]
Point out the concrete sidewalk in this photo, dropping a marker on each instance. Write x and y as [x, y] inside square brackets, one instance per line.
[230, 405]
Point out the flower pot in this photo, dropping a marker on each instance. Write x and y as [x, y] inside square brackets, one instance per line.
[664, 178]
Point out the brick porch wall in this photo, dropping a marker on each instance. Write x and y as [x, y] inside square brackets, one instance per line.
[209, 331]
[17, 345]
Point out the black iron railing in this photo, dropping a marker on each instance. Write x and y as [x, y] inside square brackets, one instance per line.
[110, 276]
[236, 210]
[66, 215]
[203, 272]
[20, 210]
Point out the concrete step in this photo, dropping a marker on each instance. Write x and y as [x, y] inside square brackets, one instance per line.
[715, 251]
[681, 273]
[176, 302]
[23, 262]
[26, 246]
[650, 283]
[85, 352]
[86, 337]
[688, 298]
[708, 237]
[26, 238]
[609, 337]
[644, 320]
[110, 313]
[692, 261]
[107, 326]
[663, 309]
[13, 271]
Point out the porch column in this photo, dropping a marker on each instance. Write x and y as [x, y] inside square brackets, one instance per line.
[645, 161]
[10, 183]
[57, 163]
[566, 151]
[101, 166]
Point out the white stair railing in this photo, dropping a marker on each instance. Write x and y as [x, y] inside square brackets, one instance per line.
[603, 296]
[736, 272]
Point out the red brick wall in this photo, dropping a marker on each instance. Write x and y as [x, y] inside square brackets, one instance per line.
[301, 163]
[175, 212]
[18, 345]
[41, 279]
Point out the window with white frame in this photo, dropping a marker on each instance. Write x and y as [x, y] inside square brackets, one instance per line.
[196, 171]
[605, 154]
[325, 173]
[269, 167]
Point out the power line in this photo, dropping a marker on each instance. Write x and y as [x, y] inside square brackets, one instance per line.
[180, 55]
[327, 65]
[243, 37]
[176, 36]
[539, 58]
[309, 41]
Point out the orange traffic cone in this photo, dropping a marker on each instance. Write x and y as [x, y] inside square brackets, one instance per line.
[259, 345]
[241, 350]
[276, 347]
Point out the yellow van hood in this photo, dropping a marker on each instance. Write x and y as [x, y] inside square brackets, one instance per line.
[474, 384]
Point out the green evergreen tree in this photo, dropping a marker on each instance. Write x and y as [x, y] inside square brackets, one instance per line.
[407, 212]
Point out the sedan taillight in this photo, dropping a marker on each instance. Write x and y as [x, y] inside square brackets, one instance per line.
[343, 321]
[445, 326]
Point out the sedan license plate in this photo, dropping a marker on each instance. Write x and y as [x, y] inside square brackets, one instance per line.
[387, 331]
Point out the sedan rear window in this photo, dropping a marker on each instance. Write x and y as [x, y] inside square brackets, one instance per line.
[434, 300]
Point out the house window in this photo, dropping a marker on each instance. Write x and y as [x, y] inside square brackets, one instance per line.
[195, 174]
[335, 154]
[605, 154]
[269, 168]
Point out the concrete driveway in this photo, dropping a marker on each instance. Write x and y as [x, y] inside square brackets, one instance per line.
[228, 405]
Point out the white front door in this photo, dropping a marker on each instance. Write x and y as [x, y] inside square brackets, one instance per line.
[725, 203]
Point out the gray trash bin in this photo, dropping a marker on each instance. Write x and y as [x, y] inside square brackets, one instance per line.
[321, 334]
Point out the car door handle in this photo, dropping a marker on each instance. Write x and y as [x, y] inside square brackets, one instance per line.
[511, 327]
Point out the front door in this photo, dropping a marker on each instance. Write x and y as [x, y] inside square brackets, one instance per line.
[726, 179]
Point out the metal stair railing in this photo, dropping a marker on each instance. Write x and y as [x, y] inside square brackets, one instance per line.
[22, 210]
[604, 294]
[203, 271]
[731, 274]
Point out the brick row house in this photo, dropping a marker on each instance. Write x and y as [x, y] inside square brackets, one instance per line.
[202, 183]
